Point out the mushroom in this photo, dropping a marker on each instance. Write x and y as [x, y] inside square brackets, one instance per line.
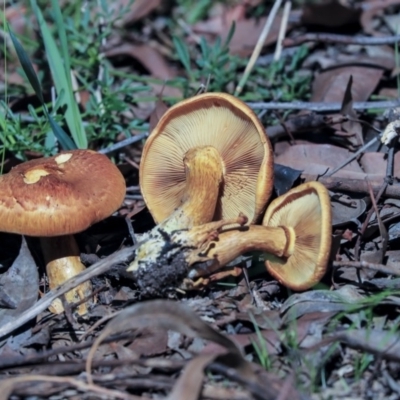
[207, 159]
[53, 198]
[295, 237]
[210, 150]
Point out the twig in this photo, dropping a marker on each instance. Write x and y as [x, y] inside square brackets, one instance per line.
[282, 29]
[332, 38]
[100, 74]
[353, 156]
[321, 106]
[368, 217]
[10, 383]
[96, 269]
[354, 185]
[124, 143]
[300, 123]
[259, 46]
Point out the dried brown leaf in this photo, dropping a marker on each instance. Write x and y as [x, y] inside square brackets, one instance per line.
[315, 159]
[169, 315]
[19, 287]
[159, 110]
[329, 86]
[138, 10]
[382, 343]
[148, 56]
[247, 31]
[374, 9]
[189, 384]
[351, 126]
[320, 301]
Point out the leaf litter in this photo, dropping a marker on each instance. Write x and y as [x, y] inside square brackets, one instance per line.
[247, 336]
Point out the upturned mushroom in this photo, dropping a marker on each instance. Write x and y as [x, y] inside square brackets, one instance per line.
[295, 239]
[210, 148]
[207, 159]
[53, 198]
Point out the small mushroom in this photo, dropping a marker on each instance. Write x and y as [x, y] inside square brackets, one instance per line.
[207, 159]
[53, 198]
[295, 237]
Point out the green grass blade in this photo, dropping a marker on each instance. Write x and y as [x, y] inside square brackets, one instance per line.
[61, 81]
[26, 66]
[63, 39]
[65, 141]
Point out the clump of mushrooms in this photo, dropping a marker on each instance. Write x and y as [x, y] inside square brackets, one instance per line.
[53, 198]
[295, 238]
[208, 159]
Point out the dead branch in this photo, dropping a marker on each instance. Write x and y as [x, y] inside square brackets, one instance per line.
[355, 185]
[96, 269]
[363, 264]
[321, 106]
[332, 38]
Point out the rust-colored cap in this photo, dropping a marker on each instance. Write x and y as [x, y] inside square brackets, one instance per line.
[306, 210]
[211, 119]
[60, 195]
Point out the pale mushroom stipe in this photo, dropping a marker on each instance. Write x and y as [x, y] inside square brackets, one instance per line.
[53, 198]
[295, 239]
[208, 159]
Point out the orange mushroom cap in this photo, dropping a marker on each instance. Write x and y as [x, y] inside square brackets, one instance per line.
[60, 195]
[211, 119]
[306, 211]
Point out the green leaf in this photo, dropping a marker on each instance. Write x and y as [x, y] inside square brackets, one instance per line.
[183, 54]
[65, 141]
[26, 65]
[61, 74]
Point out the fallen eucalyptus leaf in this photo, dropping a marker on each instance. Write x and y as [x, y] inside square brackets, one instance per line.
[170, 315]
[320, 301]
[19, 286]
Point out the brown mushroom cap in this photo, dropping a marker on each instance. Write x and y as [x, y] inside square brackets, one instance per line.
[211, 119]
[306, 209]
[59, 195]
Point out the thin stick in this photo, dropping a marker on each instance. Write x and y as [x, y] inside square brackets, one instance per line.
[363, 264]
[83, 386]
[124, 143]
[259, 46]
[321, 106]
[354, 185]
[353, 156]
[282, 29]
[332, 38]
[96, 269]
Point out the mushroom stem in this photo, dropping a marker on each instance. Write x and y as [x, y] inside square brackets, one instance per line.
[62, 258]
[278, 241]
[204, 175]
[204, 172]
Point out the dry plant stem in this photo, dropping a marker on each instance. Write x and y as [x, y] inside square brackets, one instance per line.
[278, 241]
[259, 46]
[61, 255]
[354, 185]
[96, 269]
[369, 215]
[353, 156]
[84, 387]
[321, 106]
[363, 264]
[332, 38]
[282, 29]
